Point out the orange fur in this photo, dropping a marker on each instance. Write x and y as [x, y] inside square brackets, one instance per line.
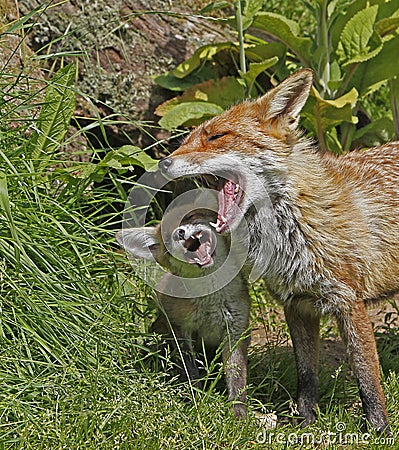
[323, 230]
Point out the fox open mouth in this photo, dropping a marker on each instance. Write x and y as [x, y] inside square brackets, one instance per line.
[199, 248]
[230, 194]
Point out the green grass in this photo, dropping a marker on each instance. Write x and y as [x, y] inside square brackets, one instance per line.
[77, 366]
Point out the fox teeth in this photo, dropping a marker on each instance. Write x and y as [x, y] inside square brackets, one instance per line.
[221, 219]
[237, 189]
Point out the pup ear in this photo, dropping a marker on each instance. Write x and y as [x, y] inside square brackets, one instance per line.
[288, 98]
[140, 242]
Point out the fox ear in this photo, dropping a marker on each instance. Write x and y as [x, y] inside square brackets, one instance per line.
[140, 242]
[288, 98]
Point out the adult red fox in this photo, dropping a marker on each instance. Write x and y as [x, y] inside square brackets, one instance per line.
[324, 230]
[198, 304]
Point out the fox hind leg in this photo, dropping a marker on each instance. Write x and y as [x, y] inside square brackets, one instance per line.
[357, 333]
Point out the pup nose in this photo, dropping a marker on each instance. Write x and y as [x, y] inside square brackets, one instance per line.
[164, 164]
[179, 234]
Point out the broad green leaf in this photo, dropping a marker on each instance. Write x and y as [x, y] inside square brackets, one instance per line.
[121, 159]
[204, 53]
[387, 26]
[332, 142]
[55, 115]
[382, 67]
[166, 106]
[186, 112]
[375, 133]
[129, 155]
[337, 8]
[322, 115]
[340, 21]
[265, 50]
[80, 171]
[386, 9]
[224, 92]
[256, 69]
[286, 31]
[173, 83]
[359, 42]
[249, 10]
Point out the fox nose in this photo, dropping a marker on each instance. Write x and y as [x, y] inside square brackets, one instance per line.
[164, 164]
[179, 234]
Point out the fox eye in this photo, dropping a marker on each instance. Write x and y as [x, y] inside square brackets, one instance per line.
[215, 136]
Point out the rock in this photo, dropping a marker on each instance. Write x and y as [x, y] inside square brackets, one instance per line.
[118, 46]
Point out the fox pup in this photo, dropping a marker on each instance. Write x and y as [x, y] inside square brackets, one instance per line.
[323, 230]
[210, 312]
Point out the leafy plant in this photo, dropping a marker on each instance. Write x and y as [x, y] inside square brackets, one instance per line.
[352, 51]
[51, 273]
[74, 367]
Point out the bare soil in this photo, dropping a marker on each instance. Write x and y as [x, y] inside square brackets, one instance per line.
[383, 317]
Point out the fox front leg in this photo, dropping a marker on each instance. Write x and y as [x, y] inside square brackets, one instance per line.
[304, 326]
[235, 362]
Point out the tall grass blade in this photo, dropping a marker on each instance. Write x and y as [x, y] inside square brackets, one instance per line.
[55, 116]
[6, 208]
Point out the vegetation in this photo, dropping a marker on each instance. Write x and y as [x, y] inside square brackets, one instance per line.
[77, 365]
[349, 44]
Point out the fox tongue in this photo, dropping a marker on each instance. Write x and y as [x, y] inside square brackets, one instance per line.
[226, 203]
[200, 248]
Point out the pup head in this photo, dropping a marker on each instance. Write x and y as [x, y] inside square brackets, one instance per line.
[176, 246]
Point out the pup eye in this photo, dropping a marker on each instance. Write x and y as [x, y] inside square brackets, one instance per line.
[215, 136]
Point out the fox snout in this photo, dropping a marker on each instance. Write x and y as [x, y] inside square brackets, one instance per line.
[164, 164]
